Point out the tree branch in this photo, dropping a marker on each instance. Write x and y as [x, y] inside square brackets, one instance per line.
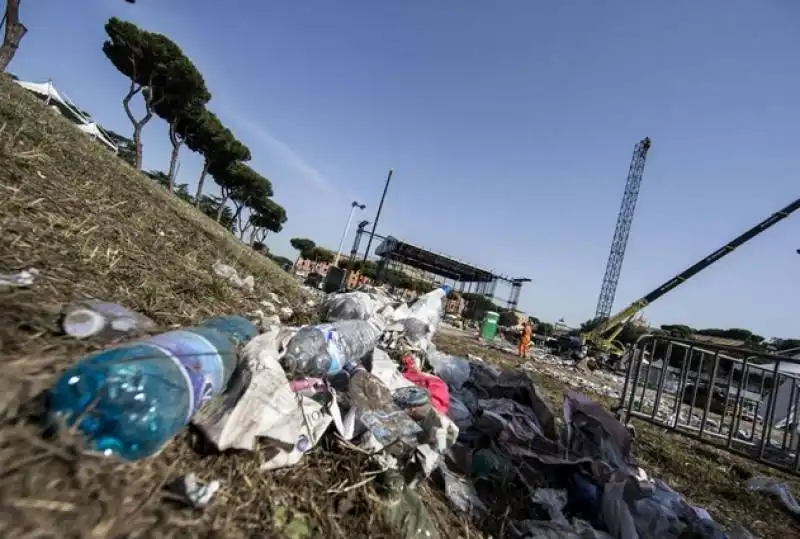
[126, 101]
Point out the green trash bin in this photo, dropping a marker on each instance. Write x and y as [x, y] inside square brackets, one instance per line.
[489, 325]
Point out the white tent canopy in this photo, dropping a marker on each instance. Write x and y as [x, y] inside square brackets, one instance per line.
[48, 91]
[44, 89]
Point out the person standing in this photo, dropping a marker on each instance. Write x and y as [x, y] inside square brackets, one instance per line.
[525, 339]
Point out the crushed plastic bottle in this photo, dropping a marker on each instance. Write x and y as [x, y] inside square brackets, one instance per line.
[104, 320]
[403, 510]
[376, 410]
[325, 349]
[428, 307]
[132, 399]
[424, 317]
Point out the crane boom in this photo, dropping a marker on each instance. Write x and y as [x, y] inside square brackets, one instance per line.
[602, 337]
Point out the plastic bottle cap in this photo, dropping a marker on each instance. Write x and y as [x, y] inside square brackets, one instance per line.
[82, 323]
[303, 444]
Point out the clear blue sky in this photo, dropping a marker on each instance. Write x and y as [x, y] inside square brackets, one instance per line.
[510, 126]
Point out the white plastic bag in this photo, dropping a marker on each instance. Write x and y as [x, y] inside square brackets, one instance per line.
[453, 370]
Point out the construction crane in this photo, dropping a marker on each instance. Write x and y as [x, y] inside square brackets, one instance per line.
[623, 229]
[603, 337]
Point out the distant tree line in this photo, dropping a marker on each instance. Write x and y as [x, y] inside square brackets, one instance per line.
[750, 342]
[477, 305]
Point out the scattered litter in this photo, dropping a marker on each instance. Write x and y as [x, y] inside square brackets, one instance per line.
[403, 510]
[779, 490]
[291, 524]
[372, 375]
[228, 272]
[268, 307]
[436, 388]
[92, 318]
[350, 306]
[193, 492]
[21, 278]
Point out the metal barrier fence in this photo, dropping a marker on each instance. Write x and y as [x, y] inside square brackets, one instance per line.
[747, 406]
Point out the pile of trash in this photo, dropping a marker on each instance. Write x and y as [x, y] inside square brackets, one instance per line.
[370, 376]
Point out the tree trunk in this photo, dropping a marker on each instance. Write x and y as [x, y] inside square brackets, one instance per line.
[260, 236]
[137, 124]
[173, 160]
[243, 231]
[15, 31]
[237, 217]
[200, 182]
[137, 145]
[221, 209]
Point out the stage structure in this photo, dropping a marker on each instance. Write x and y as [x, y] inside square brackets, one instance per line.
[424, 264]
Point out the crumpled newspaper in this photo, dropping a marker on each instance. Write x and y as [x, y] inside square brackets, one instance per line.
[260, 403]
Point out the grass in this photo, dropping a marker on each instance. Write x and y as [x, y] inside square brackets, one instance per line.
[95, 227]
[708, 477]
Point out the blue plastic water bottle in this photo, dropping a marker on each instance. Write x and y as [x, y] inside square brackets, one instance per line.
[132, 399]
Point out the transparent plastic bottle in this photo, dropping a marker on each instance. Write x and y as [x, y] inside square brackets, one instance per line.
[325, 349]
[132, 399]
[428, 307]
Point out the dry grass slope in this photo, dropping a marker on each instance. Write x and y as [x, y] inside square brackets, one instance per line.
[95, 227]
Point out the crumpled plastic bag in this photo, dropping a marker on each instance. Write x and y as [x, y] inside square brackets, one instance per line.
[231, 275]
[453, 370]
[779, 490]
[351, 306]
[461, 492]
[459, 413]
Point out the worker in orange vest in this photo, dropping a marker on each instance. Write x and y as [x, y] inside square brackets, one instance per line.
[525, 339]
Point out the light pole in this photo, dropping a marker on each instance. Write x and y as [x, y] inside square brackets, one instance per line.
[378, 215]
[355, 204]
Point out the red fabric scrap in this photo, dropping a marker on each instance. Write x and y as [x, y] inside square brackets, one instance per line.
[440, 395]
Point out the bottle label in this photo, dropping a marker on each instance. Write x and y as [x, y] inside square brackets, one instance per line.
[199, 361]
[334, 347]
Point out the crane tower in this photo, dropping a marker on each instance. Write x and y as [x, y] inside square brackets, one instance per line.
[622, 230]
